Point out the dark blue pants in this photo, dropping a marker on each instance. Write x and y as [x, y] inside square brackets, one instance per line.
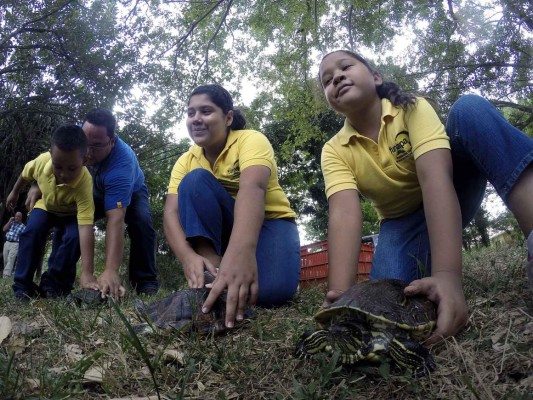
[61, 272]
[142, 264]
[485, 147]
[206, 210]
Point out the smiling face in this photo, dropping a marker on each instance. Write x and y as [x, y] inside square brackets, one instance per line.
[206, 122]
[99, 142]
[18, 216]
[67, 165]
[348, 83]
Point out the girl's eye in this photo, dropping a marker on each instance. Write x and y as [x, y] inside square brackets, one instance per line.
[326, 82]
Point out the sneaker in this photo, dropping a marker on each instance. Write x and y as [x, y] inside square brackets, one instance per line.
[50, 294]
[22, 297]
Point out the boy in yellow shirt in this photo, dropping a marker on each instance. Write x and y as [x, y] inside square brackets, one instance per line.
[66, 205]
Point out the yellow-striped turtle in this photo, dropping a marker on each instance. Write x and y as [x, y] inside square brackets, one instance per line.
[372, 320]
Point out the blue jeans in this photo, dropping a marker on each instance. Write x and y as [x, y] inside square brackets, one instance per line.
[485, 147]
[142, 266]
[61, 273]
[206, 210]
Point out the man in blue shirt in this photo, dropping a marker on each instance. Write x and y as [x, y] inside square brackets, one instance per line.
[121, 196]
[13, 228]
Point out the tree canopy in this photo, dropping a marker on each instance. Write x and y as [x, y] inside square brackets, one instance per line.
[59, 58]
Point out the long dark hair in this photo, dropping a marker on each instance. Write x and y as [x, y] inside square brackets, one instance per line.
[387, 90]
[221, 97]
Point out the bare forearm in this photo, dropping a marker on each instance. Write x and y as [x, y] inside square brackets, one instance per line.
[174, 231]
[443, 218]
[248, 219]
[19, 185]
[114, 243]
[442, 211]
[344, 240]
[87, 248]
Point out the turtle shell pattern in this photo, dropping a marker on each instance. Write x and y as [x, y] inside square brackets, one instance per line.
[382, 304]
[182, 311]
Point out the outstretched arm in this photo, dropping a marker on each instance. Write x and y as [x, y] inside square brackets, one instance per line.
[13, 197]
[443, 217]
[344, 241]
[87, 279]
[109, 280]
[238, 268]
[193, 263]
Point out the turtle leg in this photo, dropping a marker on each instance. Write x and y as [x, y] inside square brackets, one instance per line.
[312, 342]
[412, 355]
[338, 339]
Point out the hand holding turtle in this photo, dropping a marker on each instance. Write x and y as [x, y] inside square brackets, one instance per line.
[239, 275]
[445, 290]
[331, 296]
[109, 282]
[89, 281]
[194, 267]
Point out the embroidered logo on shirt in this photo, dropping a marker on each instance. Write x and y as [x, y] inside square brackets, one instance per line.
[119, 204]
[402, 147]
[234, 172]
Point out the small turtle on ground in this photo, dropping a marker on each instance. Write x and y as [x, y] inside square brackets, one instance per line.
[182, 311]
[86, 298]
[372, 320]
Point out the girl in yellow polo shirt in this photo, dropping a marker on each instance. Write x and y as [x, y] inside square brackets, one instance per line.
[226, 213]
[425, 181]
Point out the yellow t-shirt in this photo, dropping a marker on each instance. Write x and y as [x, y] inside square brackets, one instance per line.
[385, 172]
[244, 148]
[75, 198]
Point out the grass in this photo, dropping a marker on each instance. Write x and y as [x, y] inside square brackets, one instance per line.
[57, 351]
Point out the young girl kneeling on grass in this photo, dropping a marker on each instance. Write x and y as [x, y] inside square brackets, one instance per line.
[426, 182]
[226, 213]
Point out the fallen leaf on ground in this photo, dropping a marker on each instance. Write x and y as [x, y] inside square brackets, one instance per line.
[94, 374]
[172, 355]
[74, 352]
[5, 328]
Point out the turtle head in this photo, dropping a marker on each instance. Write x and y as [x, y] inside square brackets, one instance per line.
[311, 342]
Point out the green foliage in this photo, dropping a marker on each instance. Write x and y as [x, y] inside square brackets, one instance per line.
[58, 58]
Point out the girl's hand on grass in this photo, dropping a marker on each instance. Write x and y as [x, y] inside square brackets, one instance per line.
[446, 291]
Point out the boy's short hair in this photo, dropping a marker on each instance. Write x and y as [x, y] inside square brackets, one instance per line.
[70, 137]
[102, 117]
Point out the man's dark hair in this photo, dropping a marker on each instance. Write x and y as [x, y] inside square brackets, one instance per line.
[102, 117]
[70, 137]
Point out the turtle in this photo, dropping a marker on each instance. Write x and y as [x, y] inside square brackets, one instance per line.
[86, 298]
[373, 320]
[182, 311]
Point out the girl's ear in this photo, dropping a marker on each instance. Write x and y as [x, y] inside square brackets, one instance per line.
[229, 118]
[378, 79]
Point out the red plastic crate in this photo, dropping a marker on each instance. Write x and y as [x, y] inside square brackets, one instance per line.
[314, 263]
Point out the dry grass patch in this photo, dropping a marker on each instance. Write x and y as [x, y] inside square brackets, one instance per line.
[55, 350]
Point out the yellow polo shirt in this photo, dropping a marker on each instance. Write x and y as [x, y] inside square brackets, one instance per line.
[385, 172]
[75, 198]
[243, 149]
